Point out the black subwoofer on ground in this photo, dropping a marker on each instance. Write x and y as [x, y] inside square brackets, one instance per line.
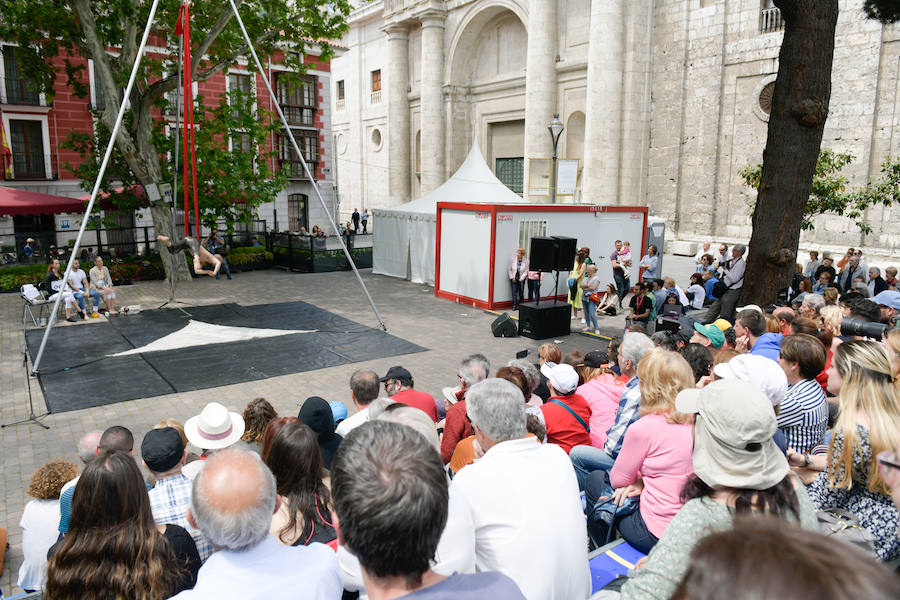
[546, 320]
[504, 326]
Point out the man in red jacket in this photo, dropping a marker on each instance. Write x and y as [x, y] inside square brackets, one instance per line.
[398, 383]
[566, 414]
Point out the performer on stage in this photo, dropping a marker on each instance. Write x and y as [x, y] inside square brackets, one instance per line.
[201, 255]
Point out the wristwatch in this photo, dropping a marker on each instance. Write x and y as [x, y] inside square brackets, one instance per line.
[806, 460]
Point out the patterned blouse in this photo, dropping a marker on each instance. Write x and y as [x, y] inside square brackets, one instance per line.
[876, 512]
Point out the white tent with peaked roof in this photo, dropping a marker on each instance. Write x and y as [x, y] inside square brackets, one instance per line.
[405, 235]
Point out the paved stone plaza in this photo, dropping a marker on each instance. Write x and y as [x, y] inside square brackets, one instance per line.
[449, 331]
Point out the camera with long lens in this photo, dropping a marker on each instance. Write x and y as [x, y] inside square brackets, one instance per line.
[855, 327]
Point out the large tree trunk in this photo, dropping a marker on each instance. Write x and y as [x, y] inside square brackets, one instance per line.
[796, 122]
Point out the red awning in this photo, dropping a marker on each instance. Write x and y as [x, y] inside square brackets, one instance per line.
[22, 202]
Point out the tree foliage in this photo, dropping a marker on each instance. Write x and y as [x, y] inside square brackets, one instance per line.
[830, 194]
[109, 32]
[886, 11]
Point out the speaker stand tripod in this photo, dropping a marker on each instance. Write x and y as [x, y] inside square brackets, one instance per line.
[32, 418]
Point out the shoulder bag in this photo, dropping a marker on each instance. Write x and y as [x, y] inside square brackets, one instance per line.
[843, 525]
[573, 413]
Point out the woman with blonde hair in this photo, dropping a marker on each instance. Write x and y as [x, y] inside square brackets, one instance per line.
[868, 423]
[891, 343]
[257, 415]
[772, 324]
[575, 276]
[831, 296]
[656, 457]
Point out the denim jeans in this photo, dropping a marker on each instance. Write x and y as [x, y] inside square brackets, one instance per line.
[225, 268]
[590, 314]
[516, 287]
[79, 297]
[586, 459]
[534, 289]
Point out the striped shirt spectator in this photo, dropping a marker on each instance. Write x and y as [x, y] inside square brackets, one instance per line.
[629, 405]
[803, 415]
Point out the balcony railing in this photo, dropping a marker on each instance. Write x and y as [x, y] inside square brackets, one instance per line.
[375, 98]
[16, 90]
[338, 105]
[770, 20]
[27, 166]
[300, 115]
[294, 168]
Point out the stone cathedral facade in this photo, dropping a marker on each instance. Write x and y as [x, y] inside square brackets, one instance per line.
[662, 101]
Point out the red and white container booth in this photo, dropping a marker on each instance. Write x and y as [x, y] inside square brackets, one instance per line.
[475, 243]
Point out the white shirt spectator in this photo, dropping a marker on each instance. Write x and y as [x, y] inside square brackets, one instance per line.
[701, 252]
[699, 295]
[39, 523]
[269, 570]
[539, 543]
[77, 278]
[352, 422]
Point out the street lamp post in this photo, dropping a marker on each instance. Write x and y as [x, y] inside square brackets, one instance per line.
[555, 128]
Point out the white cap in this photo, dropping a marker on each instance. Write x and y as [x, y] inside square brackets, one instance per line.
[764, 373]
[750, 307]
[562, 377]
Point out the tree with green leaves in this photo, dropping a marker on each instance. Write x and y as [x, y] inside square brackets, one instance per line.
[232, 183]
[796, 124]
[829, 193]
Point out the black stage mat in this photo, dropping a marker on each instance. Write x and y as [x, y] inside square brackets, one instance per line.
[76, 371]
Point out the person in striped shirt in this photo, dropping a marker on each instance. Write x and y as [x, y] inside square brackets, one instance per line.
[803, 415]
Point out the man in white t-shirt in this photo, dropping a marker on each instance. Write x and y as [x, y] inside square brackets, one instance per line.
[81, 287]
[364, 387]
[704, 249]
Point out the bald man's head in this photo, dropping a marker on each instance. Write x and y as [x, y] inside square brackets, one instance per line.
[87, 446]
[233, 500]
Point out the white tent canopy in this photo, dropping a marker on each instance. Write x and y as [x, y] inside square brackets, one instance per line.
[405, 235]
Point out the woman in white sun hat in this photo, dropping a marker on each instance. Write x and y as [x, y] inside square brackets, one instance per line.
[738, 470]
[215, 428]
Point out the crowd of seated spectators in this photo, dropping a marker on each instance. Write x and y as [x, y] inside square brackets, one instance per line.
[707, 447]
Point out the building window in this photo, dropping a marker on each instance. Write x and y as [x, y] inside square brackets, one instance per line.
[27, 140]
[340, 89]
[16, 89]
[308, 141]
[531, 229]
[376, 80]
[770, 17]
[299, 100]
[511, 172]
[241, 143]
[239, 82]
[99, 99]
[765, 97]
[298, 212]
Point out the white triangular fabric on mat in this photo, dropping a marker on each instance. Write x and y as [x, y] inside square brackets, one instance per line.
[198, 333]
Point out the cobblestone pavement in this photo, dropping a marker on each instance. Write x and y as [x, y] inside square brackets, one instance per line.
[449, 330]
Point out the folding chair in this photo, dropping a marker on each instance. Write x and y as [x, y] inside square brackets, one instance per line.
[611, 561]
[33, 298]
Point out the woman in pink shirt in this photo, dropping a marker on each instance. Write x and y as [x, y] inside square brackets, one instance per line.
[655, 460]
[602, 391]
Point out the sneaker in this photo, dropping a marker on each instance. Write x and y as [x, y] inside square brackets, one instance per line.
[583, 322]
[597, 332]
[72, 319]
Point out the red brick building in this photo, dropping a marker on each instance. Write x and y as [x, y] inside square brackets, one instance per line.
[34, 129]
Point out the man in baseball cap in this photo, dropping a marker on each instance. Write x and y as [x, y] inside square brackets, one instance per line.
[398, 385]
[889, 302]
[163, 453]
[566, 414]
[708, 335]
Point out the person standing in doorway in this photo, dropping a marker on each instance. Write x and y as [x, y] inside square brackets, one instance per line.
[355, 218]
[518, 273]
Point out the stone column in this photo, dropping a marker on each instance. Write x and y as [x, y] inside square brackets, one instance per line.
[431, 100]
[399, 170]
[602, 132]
[540, 83]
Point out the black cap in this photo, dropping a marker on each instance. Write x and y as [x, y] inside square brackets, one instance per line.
[162, 449]
[397, 373]
[595, 359]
